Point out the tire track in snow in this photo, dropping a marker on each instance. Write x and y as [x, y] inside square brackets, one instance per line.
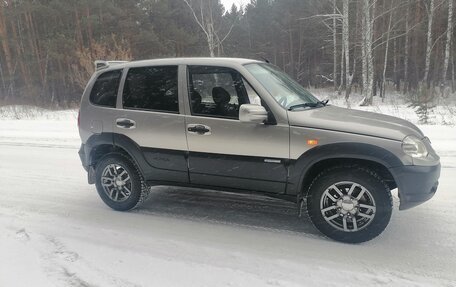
[65, 266]
[42, 145]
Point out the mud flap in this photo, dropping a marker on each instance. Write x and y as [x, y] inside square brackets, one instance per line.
[91, 175]
[301, 206]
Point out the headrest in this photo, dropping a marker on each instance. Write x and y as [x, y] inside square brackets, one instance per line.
[196, 97]
[220, 95]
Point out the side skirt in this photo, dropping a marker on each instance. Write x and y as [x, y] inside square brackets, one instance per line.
[290, 198]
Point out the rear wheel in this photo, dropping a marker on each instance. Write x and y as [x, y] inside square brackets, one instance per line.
[119, 182]
[349, 204]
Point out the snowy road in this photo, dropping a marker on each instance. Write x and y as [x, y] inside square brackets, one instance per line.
[55, 231]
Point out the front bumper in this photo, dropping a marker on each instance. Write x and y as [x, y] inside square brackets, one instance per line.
[416, 184]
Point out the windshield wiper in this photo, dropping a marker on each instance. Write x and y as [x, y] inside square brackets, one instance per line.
[309, 105]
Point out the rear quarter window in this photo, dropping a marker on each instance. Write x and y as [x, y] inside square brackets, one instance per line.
[104, 91]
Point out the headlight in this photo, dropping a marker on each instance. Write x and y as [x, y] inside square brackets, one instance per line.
[414, 147]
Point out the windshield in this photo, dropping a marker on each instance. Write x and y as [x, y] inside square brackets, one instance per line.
[286, 91]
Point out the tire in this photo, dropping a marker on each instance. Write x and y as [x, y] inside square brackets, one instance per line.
[131, 194]
[350, 204]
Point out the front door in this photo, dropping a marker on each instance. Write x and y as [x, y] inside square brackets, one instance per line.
[223, 151]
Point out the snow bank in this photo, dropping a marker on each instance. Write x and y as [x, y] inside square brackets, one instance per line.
[394, 104]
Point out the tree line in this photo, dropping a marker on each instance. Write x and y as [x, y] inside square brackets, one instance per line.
[47, 47]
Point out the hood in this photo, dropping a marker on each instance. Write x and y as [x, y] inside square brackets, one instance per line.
[354, 121]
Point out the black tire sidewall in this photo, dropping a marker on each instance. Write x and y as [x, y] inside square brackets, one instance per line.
[366, 178]
[126, 163]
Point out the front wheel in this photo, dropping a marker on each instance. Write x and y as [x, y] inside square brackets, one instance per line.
[349, 204]
[119, 182]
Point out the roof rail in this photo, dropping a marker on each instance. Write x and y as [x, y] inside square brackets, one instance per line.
[101, 64]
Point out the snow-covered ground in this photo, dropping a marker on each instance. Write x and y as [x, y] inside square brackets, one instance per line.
[55, 231]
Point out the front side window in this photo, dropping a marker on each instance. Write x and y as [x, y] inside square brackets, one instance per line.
[286, 91]
[218, 91]
[152, 88]
[104, 91]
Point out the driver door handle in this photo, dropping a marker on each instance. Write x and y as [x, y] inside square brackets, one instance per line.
[199, 129]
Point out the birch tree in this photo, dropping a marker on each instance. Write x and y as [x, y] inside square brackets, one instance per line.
[406, 47]
[346, 44]
[368, 61]
[382, 92]
[206, 22]
[448, 40]
[430, 11]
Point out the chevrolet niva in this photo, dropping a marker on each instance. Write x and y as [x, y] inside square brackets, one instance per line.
[244, 125]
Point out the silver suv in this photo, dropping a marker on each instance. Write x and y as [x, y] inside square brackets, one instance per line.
[244, 125]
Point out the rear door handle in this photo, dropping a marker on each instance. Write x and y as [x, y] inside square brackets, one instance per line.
[199, 129]
[126, 123]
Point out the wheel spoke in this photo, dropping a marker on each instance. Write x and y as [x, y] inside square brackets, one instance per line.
[330, 196]
[344, 221]
[369, 216]
[331, 217]
[361, 193]
[352, 188]
[123, 193]
[337, 190]
[110, 179]
[115, 167]
[112, 170]
[128, 190]
[329, 208]
[124, 172]
[367, 206]
[127, 180]
[355, 225]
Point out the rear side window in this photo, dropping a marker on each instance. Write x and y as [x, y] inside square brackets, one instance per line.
[152, 88]
[104, 91]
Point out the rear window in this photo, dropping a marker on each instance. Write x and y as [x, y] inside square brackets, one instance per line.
[104, 91]
[152, 88]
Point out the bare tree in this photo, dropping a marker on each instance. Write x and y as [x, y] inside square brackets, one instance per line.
[448, 40]
[368, 61]
[406, 47]
[205, 21]
[346, 44]
[385, 63]
[334, 34]
[430, 12]
[363, 50]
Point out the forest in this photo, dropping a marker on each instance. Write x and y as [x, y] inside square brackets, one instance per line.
[47, 47]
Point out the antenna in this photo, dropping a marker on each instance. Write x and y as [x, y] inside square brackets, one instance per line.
[264, 59]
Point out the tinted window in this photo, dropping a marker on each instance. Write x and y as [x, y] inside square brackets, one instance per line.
[104, 91]
[151, 88]
[218, 91]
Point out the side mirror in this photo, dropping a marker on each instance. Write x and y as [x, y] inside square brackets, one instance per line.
[249, 113]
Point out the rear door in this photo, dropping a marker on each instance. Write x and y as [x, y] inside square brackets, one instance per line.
[222, 150]
[152, 117]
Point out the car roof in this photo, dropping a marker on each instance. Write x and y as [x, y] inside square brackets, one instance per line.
[179, 61]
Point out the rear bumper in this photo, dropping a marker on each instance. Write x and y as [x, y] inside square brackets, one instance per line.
[416, 184]
[83, 157]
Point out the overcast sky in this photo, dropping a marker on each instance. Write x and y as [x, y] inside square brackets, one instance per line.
[229, 3]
